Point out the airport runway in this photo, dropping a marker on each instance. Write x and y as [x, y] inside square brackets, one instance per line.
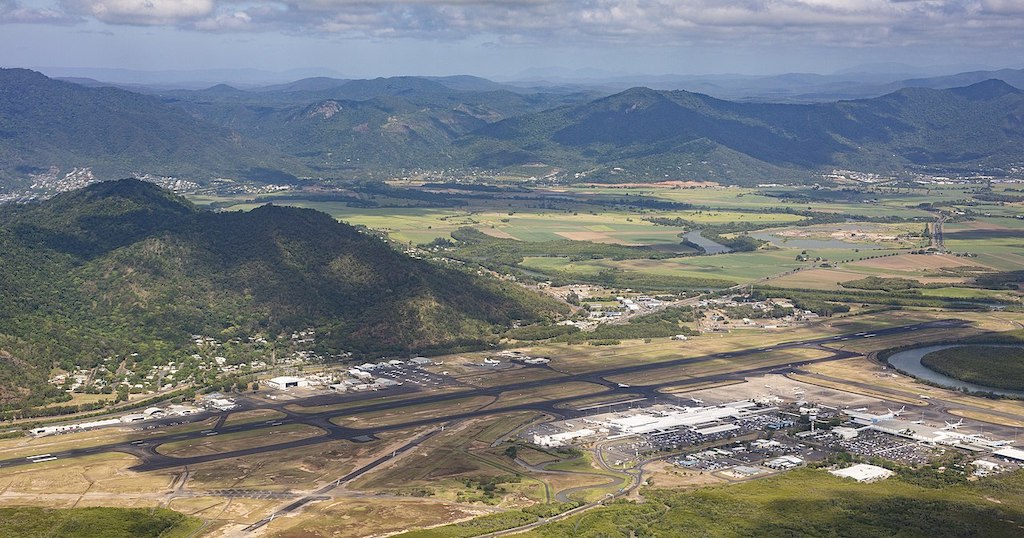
[152, 460]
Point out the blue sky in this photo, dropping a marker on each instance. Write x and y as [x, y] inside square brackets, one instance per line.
[504, 38]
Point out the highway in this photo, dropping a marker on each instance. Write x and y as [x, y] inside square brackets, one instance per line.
[151, 460]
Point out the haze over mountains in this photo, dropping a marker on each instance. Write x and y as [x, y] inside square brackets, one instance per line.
[856, 82]
[337, 129]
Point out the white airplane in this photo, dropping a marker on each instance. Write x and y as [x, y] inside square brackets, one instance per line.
[954, 425]
[898, 412]
[696, 401]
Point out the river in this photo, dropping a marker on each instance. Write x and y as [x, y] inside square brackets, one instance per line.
[709, 246]
[909, 362]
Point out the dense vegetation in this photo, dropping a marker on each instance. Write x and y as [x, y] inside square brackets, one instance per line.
[45, 122]
[809, 503]
[31, 522]
[884, 284]
[893, 298]
[124, 267]
[373, 128]
[649, 133]
[991, 366]
[1002, 280]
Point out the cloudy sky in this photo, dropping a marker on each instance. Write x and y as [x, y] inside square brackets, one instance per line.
[505, 38]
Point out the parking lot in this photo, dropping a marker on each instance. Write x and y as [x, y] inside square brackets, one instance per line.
[412, 375]
[886, 446]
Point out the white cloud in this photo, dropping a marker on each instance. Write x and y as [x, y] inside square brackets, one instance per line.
[234, 21]
[13, 12]
[650, 22]
[141, 12]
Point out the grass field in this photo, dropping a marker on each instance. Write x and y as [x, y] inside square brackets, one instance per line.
[550, 392]
[100, 476]
[359, 517]
[680, 374]
[295, 408]
[416, 412]
[742, 267]
[297, 468]
[810, 503]
[422, 225]
[254, 415]
[449, 465]
[228, 442]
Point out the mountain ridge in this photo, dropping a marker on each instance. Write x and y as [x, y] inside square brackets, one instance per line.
[46, 122]
[133, 268]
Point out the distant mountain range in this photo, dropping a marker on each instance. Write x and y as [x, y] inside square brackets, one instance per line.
[337, 128]
[124, 266]
[649, 133]
[46, 122]
[788, 87]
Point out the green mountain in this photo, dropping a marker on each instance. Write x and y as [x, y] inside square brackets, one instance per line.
[353, 129]
[46, 122]
[347, 128]
[124, 267]
[643, 133]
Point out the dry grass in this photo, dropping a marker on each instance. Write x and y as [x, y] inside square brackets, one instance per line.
[415, 412]
[663, 474]
[296, 408]
[218, 444]
[987, 417]
[297, 468]
[492, 378]
[817, 279]
[238, 511]
[99, 475]
[359, 517]
[844, 387]
[254, 415]
[550, 392]
[718, 366]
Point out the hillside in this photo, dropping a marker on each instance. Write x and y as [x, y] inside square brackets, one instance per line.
[353, 129]
[46, 122]
[122, 267]
[338, 128]
[651, 134]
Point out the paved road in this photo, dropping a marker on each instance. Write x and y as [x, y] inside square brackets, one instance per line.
[152, 460]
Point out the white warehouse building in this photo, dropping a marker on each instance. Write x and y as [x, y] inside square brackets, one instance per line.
[286, 382]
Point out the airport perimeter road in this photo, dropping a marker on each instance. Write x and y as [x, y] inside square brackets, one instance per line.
[152, 460]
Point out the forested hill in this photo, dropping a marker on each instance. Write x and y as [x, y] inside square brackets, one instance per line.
[648, 133]
[386, 127]
[46, 122]
[124, 267]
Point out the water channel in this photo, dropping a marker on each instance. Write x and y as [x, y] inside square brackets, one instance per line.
[909, 362]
